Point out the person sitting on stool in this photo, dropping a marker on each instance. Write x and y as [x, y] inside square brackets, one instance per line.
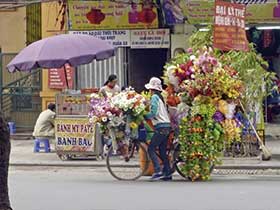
[44, 127]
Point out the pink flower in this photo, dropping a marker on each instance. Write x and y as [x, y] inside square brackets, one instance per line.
[213, 61]
[203, 59]
[189, 50]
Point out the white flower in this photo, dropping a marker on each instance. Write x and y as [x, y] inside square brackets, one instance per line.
[192, 58]
[171, 68]
[104, 119]
[109, 114]
[94, 95]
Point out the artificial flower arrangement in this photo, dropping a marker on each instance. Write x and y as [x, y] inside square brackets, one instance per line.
[104, 112]
[210, 90]
[131, 103]
[119, 114]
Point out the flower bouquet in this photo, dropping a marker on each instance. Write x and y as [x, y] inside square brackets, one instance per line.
[111, 119]
[104, 112]
[133, 106]
[119, 115]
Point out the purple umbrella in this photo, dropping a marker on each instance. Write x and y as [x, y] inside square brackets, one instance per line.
[56, 51]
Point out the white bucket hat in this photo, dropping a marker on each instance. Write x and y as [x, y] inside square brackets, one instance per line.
[154, 84]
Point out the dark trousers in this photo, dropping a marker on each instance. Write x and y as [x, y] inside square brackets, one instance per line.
[160, 140]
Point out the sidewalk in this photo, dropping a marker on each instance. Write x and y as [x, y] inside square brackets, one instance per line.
[22, 155]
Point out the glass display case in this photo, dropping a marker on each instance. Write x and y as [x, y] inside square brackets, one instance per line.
[72, 104]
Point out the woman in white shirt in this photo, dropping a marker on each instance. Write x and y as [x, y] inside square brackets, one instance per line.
[110, 87]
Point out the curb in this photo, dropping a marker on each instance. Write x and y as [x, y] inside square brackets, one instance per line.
[246, 167]
[223, 167]
[57, 165]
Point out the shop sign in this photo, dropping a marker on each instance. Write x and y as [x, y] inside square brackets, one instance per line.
[202, 11]
[104, 15]
[57, 79]
[118, 38]
[156, 38]
[229, 26]
[74, 135]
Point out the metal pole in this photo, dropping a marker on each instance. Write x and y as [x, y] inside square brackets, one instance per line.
[66, 78]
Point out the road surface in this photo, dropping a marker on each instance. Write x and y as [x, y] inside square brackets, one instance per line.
[94, 189]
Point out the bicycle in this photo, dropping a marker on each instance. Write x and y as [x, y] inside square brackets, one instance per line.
[131, 160]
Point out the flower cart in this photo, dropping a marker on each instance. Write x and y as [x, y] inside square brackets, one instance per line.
[75, 136]
[214, 124]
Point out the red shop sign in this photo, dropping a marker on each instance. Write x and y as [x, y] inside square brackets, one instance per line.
[229, 27]
[57, 79]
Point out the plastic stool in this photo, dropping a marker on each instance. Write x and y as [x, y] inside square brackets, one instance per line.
[38, 147]
[12, 127]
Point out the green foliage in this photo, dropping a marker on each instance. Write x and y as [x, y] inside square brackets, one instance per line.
[201, 141]
[199, 39]
[251, 67]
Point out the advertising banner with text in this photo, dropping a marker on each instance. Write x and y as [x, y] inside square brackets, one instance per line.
[229, 27]
[202, 11]
[74, 135]
[91, 15]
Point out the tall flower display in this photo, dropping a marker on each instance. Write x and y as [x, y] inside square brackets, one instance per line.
[211, 90]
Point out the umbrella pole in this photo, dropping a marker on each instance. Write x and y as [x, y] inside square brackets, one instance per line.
[66, 78]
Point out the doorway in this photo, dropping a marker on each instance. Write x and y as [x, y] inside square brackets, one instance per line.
[144, 64]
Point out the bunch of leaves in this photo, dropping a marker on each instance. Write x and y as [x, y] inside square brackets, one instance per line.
[201, 142]
[200, 39]
[251, 67]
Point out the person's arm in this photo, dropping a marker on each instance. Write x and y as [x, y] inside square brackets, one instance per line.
[118, 89]
[52, 118]
[154, 107]
[103, 92]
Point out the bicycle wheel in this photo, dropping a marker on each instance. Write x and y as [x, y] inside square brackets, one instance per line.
[179, 163]
[129, 162]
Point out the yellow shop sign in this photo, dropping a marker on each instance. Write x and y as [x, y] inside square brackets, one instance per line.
[202, 11]
[90, 15]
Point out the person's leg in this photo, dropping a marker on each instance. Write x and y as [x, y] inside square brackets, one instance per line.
[162, 151]
[155, 142]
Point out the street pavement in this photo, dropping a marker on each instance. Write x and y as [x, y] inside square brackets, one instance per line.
[22, 155]
[47, 188]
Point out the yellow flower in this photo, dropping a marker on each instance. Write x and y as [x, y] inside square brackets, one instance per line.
[180, 71]
[133, 125]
